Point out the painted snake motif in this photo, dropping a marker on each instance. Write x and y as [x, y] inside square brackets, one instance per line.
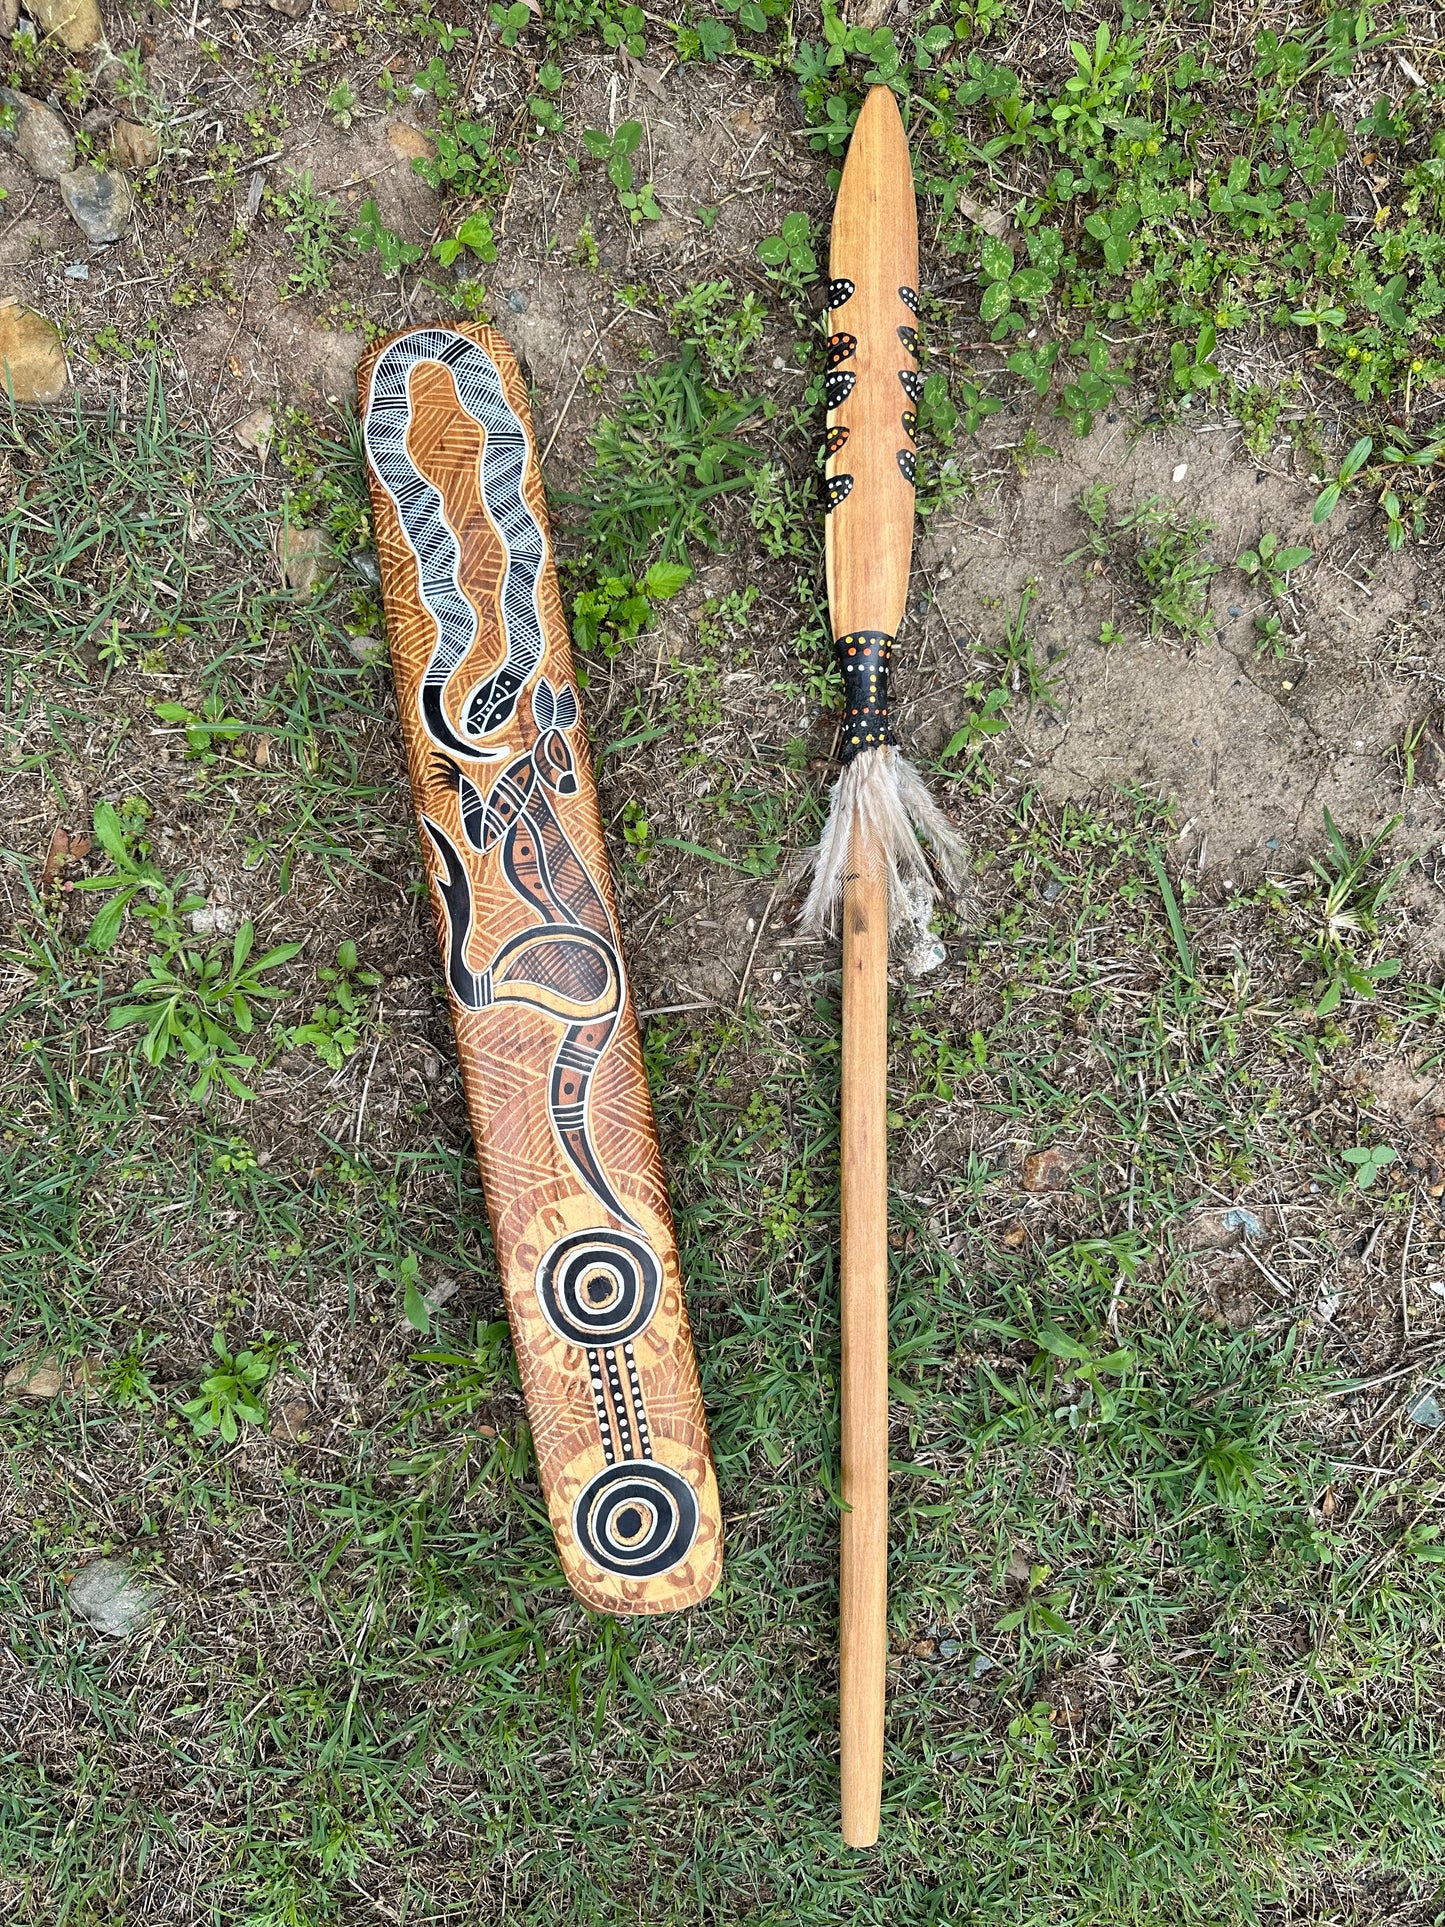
[438, 553]
[599, 1287]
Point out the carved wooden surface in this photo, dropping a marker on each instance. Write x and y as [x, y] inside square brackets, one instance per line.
[547, 1039]
[873, 384]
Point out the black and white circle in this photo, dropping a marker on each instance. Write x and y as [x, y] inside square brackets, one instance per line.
[600, 1287]
[637, 1519]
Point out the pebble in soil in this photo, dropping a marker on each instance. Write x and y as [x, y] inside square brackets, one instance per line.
[99, 202]
[110, 1597]
[39, 136]
[32, 357]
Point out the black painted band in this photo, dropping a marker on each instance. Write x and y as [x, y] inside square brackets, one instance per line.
[863, 658]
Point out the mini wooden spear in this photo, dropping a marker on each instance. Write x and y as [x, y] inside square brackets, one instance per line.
[870, 854]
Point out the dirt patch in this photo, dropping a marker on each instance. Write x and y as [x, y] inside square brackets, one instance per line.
[1252, 746]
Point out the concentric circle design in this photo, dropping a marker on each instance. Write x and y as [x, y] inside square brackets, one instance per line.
[636, 1520]
[599, 1287]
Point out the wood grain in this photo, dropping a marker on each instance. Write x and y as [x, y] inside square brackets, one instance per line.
[869, 535]
[863, 1561]
[873, 393]
[558, 1131]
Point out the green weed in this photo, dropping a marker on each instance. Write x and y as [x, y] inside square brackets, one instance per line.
[313, 224]
[639, 203]
[334, 1027]
[231, 1393]
[199, 1006]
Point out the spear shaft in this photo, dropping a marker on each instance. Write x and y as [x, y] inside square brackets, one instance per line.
[870, 854]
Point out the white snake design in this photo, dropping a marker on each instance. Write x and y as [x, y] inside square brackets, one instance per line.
[423, 521]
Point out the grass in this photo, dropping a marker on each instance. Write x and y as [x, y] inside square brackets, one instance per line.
[1166, 1572]
[1166, 1589]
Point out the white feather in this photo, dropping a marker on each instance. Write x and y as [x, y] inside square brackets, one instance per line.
[881, 797]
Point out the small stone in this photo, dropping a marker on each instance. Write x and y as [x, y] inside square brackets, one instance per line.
[949, 1648]
[344, 6]
[113, 1598]
[77, 270]
[982, 1664]
[256, 429]
[1180, 471]
[1426, 1413]
[517, 301]
[99, 202]
[365, 564]
[669, 232]
[134, 145]
[291, 1421]
[40, 137]
[408, 141]
[76, 24]
[1238, 1219]
[1015, 1237]
[32, 358]
[213, 920]
[918, 951]
[1045, 1171]
[35, 1378]
[304, 555]
[293, 9]
[368, 650]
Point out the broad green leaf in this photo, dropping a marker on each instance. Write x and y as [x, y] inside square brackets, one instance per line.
[1059, 1343]
[664, 579]
[109, 834]
[105, 925]
[998, 260]
[273, 959]
[1326, 502]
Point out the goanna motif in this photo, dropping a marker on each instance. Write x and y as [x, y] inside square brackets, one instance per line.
[547, 1039]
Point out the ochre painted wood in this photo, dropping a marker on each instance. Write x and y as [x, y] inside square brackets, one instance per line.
[863, 1589]
[546, 1036]
[873, 388]
[874, 247]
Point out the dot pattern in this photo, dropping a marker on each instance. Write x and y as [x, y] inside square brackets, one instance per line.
[909, 338]
[841, 348]
[909, 298]
[599, 1399]
[835, 438]
[912, 383]
[839, 291]
[864, 658]
[840, 487]
[908, 463]
[838, 385]
[910, 424]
